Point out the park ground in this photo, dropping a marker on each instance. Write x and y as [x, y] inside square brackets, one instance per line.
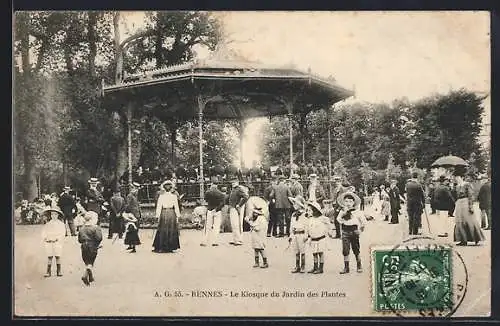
[136, 284]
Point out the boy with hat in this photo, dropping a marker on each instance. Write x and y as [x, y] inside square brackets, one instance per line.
[298, 237]
[53, 234]
[90, 237]
[258, 227]
[318, 228]
[352, 222]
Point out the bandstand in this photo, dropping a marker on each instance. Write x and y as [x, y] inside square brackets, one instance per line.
[222, 90]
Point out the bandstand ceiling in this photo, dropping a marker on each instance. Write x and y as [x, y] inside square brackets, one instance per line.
[231, 90]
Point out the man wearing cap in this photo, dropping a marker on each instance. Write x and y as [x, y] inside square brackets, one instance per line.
[295, 186]
[237, 199]
[484, 198]
[281, 193]
[68, 206]
[443, 201]
[415, 201]
[338, 190]
[215, 202]
[94, 197]
[272, 223]
[394, 201]
[116, 223]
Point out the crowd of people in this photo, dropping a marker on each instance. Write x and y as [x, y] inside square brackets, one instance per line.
[286, 210]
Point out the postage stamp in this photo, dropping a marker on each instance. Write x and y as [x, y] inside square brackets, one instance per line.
[418, 277]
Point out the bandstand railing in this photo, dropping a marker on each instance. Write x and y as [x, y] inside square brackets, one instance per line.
[191, 190]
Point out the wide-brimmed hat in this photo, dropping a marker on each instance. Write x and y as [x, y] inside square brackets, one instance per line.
[48, 210]
[342, 197]
[136, 184]
[129, 217]
[316, 206]
[89, 215]
[167, 182]
[298, 200]
[313, 175]
[93, 180]
[258, 210]
[67, 188]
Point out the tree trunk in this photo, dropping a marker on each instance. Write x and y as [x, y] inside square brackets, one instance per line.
[92, 37]
[31, 190]
[173, 140]
[118, 53]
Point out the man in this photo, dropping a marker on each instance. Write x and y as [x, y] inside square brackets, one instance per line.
[295, 186]
[94, 198]
[280, 194]
[415, 201]
[117, 205]
[315, 192]
[215, 202]
[237, 199]
[443, 201]
[431, 192]
[132, 203]
[338, 189]
[484, 198]
[272, 224]
[68, 206]
[394, 201]
[453, 190]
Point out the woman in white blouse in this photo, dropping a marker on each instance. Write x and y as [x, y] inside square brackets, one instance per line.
[167, 213]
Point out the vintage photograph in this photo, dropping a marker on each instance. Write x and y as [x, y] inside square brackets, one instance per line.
[251, 164]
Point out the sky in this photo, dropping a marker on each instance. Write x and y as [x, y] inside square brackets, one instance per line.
[382, 55]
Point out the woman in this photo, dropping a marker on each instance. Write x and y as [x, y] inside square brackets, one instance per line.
[167, 212]
[374, 211]
[467, 228]
[385, 207]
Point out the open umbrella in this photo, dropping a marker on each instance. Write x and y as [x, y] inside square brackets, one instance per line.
[449, 161]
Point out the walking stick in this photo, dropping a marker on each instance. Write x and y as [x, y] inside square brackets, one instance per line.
[427, 218]
[116, 237]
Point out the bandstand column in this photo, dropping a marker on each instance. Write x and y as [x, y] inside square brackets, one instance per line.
[201, 106]
[129, 142]
[242, 127]
[289, 107]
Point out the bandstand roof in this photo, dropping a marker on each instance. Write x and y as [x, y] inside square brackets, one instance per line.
[231, 89]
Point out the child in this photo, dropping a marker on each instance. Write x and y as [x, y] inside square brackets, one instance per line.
[258, 225]
[319, 227]
[132, 235]
[298, 237]
[330, 212]
[352, 222]
[53, 234]
[90, 237]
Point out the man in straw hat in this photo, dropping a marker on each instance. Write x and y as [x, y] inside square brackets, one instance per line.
[53, 234]
[352, 222]
[318, 228]
[68, 206]
[90, 237]
[258, 227]
[237, 200]
[298, 236]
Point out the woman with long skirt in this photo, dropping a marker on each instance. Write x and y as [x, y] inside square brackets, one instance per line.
[168, 213]
[467, 228]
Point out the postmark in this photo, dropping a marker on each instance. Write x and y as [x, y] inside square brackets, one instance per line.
[419, 277]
